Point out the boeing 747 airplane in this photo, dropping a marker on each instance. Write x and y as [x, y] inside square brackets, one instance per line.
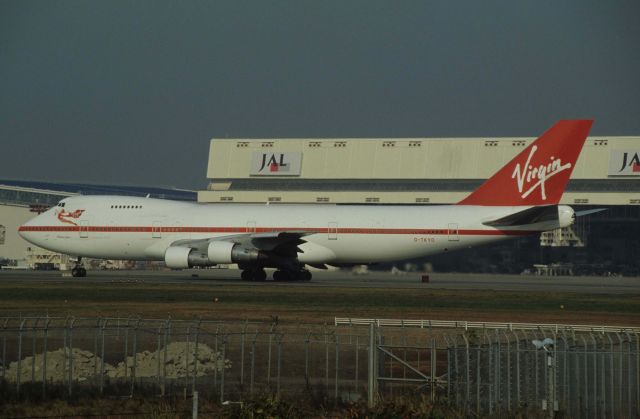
[522, 198]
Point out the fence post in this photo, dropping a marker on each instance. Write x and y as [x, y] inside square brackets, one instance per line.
[195, 357]
[253, 362]
[515, 334]
[637, 372]
[126, 349]
[134, 352]
[373, 378]
[102, 330]
[269, 355]
[242, 339]
[73, 320]
[186, 362]
[194, 407]
[33, 349]
[224, 352]
[95, 348]
[19, 356]
[167, 325]
[611, 380]
[620, 366]
[603, 364]
[434, 362]
[585, 361]
[337, 350]
[629, 375]
[467, 400]
[355, 389]
[498, 372]
[279, 342]
[215, 351]
[326, 358]
[4, 345]
[306, 358]
[595, 375]
[44, 357]
[64, 353]
[551, 379]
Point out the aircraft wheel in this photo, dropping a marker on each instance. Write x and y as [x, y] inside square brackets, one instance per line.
[281, 276]
[246, 275]
[83, 272]
[259, 275]
[305, 275]
[75, 272]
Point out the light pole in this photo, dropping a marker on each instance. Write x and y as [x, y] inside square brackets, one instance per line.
[550, 404]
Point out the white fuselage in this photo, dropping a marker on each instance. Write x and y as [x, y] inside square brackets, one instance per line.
[117, 227]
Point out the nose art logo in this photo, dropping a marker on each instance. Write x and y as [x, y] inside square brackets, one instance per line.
[530, 178]
[64, 216]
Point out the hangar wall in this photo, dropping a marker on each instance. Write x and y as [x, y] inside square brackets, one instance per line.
[14, 247]
[398, 171]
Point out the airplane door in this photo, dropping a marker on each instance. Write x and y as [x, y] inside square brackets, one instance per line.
[251, 226]
[156, 231]
[453, 232]
[333, 231]
[84, 229]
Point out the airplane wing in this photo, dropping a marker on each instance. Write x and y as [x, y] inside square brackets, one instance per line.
[284, 243]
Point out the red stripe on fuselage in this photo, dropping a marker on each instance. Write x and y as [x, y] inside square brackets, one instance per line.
[149, 229]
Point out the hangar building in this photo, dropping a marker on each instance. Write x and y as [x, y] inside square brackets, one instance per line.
[431, 171]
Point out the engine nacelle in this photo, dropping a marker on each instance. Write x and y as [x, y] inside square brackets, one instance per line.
[314, 253]
[177, 257]
[566, 216]
[218, 252]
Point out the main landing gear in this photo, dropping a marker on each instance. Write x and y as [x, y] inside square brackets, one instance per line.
[279, 275]
[78, 270]
[302, 275]
[253, 275]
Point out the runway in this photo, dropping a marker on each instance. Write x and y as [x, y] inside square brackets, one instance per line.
[344, 279]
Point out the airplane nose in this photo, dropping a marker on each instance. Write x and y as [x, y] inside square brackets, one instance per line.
[25, 231]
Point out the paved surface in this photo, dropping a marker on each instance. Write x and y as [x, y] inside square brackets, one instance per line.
[337, 279]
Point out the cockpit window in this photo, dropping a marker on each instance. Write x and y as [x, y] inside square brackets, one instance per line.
[61, 204]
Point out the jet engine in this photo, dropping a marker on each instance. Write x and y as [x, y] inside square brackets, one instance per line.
[566, 216]
[217, 252]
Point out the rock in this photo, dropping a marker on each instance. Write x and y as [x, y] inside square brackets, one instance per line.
[84, 364]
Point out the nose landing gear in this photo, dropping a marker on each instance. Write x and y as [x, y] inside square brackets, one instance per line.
[78, 270]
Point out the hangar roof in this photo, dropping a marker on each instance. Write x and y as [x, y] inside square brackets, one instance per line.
[25, 192]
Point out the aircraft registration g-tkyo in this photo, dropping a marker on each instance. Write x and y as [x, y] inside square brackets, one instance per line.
[520, 199]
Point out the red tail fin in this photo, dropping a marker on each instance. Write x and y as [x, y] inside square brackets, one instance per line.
[539, 174]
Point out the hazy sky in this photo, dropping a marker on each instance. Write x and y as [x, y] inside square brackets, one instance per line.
[130, 92]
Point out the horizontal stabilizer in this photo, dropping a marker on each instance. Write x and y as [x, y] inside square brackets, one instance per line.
[589, 212]
[529, 216]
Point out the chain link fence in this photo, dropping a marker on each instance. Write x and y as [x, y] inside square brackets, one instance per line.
[482, 371]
